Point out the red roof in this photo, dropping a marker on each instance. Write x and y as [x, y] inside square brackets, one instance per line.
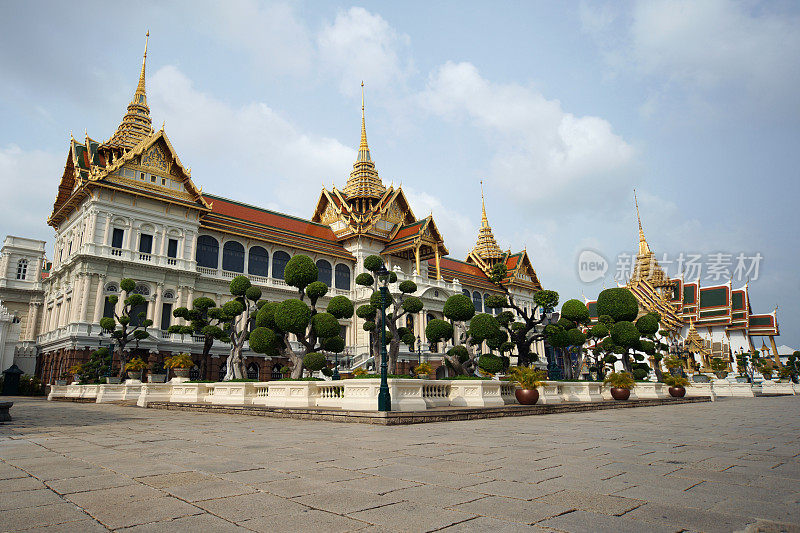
[466, 273]
[231, 216]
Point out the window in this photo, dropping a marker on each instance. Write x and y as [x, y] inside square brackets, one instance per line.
[163, 182]
[252, 371]
[69, 249]
[138, 314]
[233, 257]
[343, 277]
[207, 251]
[465, 292]
[223, 369]
[116, 238]
[166, 315]
[476, 299]
[488, 309]
[172, 248]
[258, 261]
[145, 243]
[279, 260]
[325, 272]
[108, 309]
[22, 269]
[152, 179]
[142, 289]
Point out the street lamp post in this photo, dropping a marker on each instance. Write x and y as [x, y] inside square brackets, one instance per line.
[384, 397]
[336, 376]
[419, 350]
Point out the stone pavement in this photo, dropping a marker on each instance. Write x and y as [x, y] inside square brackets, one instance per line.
[732, 465]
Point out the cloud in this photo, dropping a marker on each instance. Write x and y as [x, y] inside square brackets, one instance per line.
[358, 46]
[276, 39]
[258, 155]
[30, 179]
[541, 152]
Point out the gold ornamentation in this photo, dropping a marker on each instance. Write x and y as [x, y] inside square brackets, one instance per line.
[155, 158]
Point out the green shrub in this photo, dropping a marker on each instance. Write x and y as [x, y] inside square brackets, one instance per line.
[239, 285]
[619, 303]
[263, 340]
[483, 326]
[648, 324]
[325, 325]
[624, 334]
[407, 287]
[334, 344]
[316, 290]
[620, 380]
[373, 263]
[489, 363]
[460, 352]
[340, 307]
[459, 307]
[300, 271]
[293, 316]
[639, 374]
[314, 361]
[438, 330]
[576, 311]
[365, 279]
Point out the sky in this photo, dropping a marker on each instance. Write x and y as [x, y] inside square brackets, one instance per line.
[561, 108]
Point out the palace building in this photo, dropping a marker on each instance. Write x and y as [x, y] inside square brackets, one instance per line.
[129, 208]
[706, 321]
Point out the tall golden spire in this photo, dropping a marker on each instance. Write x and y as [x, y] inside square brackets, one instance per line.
[136, 124]
[647, 268]
[644, 248]
[486, 247]
[364, 181]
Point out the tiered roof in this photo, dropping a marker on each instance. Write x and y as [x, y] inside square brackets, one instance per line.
[364, 181]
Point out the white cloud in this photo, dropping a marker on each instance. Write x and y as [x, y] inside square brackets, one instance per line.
[358, 46]
[276, 39]
[258, 156]
[30, 182]
[542, 153]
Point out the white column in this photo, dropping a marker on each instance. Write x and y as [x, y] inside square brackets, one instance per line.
[159, 306]
[107, 231]
[162, 253]
[86, 285]
[99, 301]
[127, 245]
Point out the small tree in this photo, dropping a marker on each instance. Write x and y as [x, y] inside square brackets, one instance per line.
[99, 364]
[567, 335]
[238, 313]
[122, 326]
[524, 328]
[204, 319]
[400, 304]
[315, 331]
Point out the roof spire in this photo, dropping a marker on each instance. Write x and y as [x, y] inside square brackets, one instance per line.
[364, 181]
[643, 246]
[136, 124]
[363, 148]
[486, 247]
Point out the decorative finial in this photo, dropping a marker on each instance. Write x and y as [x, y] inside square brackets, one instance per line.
[639, 218]
[484, 220]
[163, 123]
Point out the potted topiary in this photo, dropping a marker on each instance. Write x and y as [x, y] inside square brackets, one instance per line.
[621, 384]
[528, 378]
[360, 371]
[677, 386]
[424, 371]
[719, 367]
[180, 364]
[135, 367]
[63, 378]
[75, 371]
[158, 374]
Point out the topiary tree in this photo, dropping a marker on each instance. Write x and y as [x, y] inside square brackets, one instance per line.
[316, 332]
[99, 364]
[121, 327]
[204, 319]
[567, 335]
[523, 330]
[400, 304]
[237, 314]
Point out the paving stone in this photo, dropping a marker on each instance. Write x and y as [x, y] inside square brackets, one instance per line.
[247, 506]
[261, 475]
[289, 488]
[142, 512]
[376, 484]
[688, 518]
[511, 489]
[17, 484]
[204, 523]
[98, 499]
[588, 522]
[28, 498]
[484, 523]
[87, 483]
[30, 517]
[587, 501]
[513, 510]
[82, 526]
[208, 489]
[438, 496]
[342, 501]
[407, 516]
[311, 520]
[161, 481]
[8, 471]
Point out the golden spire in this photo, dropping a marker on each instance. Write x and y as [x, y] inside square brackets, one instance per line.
[486, 247]
[136, 124]
[364, 181]
[644, 248]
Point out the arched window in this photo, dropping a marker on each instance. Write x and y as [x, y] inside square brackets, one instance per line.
[410, 321]
[233, 257]
[22, 269]
[489, 309]
[258, 262]
[478, 301]
[207, 251]
[466, 293]
[325, 272]
[342, 277]
[169, 294]
[279, 260]
[142, 289]
[223, 369]
[252, 371]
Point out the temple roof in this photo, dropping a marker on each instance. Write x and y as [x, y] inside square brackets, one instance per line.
[136, 124]
[647, 268]
[364, 181]
[467, 274]
[230, 216]
[486, 247]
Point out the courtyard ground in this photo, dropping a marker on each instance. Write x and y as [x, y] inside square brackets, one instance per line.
[731, 465]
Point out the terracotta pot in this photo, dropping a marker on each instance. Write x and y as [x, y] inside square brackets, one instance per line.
[620, 394]
[527, 396]
[677, 392]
